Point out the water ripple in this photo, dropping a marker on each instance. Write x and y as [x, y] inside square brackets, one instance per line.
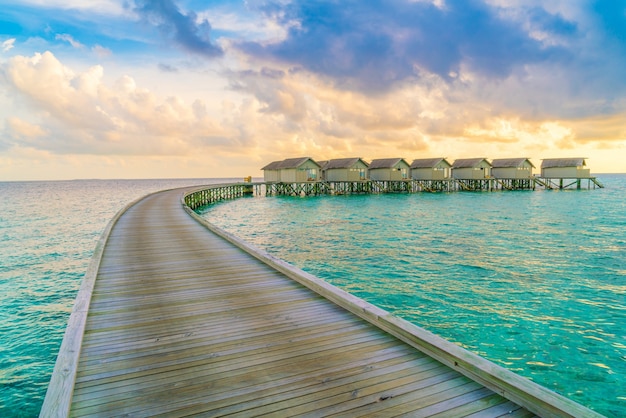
[534, 281]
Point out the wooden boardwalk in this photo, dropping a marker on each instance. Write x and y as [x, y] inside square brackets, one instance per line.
[182, 322]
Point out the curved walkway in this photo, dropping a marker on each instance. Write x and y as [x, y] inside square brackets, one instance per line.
[184, 323]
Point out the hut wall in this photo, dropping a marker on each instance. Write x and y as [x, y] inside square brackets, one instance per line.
[430, 173]
[309, 171]
[389, 174]
[399, 173]
[400, 170]
[337, 174]
[471, 173]
[422, 173]
[512, 172]
[346, 174]
[565, 172]
[380, 174]
[289, 175]
[357, 173]
[271, 175]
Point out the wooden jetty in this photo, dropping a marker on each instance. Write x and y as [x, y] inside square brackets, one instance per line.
[315, 188]
[178, 318]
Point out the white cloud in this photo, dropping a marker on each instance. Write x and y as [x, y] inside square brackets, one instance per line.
[101, 52]
[69, 39]
[7, 45]
[24, 129]
[245, 26]
[111, 7]
[82, 114]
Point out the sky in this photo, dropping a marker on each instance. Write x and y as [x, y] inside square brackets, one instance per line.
[205, 89]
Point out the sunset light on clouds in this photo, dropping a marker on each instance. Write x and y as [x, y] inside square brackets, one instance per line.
[189, 88]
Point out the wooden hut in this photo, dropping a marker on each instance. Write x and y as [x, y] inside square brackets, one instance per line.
[512, 168]
[564, 168]
[271, 172]
[471, 169]
[430, 169]
[389, 169]
[299, 170]
[345, 169]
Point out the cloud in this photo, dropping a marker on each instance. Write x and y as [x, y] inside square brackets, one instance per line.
[101, 52]
[110, 7]
[310, 116]
[185, 29]
[7, 45]
[167, 68]
[78, 113]
[69, 39]
[373, 45]
[24, 129]
[604, 128]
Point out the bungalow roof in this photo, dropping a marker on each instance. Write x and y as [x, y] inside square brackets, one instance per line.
[510, 162]
[295, 162]
[468, 162]
[563, 162]
[274, 165]
[385, 163]
[288, 163]
[428, 162]
[343, 163]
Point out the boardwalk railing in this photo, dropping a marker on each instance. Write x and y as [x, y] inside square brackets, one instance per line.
[206, 196]
[518, 389]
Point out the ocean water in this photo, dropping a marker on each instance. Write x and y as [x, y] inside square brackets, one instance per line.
[534, 281]
[48, 231]
[547, 268]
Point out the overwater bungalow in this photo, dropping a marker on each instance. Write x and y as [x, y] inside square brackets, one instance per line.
[471, 169]
[271, 172]
[345, 169]
[292, 170]
[564, 168]
[389, 169]
[430, 169]
[512, 168]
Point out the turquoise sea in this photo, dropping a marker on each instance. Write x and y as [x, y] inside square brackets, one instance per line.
[48, 231]
[534, 281]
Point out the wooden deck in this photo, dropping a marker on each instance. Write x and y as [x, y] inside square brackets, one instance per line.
[182, 322]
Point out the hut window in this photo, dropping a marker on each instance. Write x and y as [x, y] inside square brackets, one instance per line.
[311, 173]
